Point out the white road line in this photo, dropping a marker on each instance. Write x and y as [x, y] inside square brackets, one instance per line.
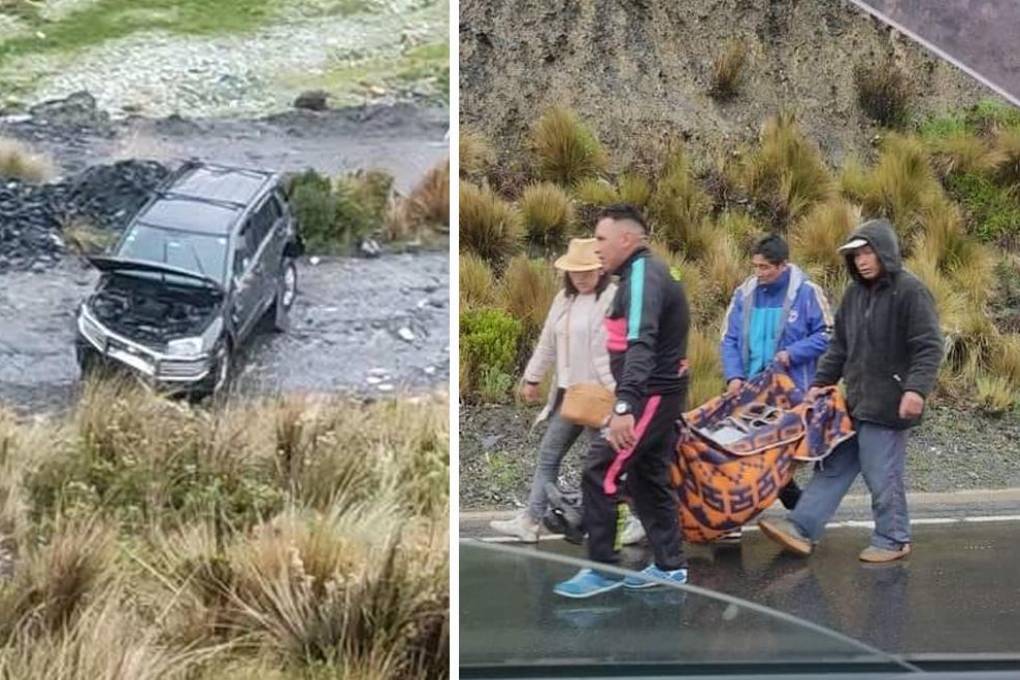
[847, 524]
[993, 518]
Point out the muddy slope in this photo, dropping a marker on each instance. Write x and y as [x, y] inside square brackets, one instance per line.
[637, 70]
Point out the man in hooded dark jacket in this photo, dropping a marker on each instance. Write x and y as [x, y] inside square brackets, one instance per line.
[887, 347]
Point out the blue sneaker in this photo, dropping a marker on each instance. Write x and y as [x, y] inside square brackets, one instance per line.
[640, 581]
[587, 583]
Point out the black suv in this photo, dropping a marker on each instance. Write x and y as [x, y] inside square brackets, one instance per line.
[207, 258]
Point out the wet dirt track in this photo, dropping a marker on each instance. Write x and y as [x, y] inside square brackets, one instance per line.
[363, 327]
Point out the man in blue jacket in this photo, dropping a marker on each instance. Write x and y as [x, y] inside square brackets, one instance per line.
[779, 316]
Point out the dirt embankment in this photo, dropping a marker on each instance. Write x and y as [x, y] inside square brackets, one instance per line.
[640, 70]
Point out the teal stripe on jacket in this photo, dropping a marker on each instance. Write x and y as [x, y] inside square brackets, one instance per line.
[637, 298]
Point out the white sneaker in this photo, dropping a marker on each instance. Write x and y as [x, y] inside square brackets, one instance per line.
[633, 531]
[521, 527]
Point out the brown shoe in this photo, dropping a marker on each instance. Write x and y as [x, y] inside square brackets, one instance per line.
[873, 554]
[785, 534]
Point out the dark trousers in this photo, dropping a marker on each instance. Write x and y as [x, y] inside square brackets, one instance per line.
[648, 484]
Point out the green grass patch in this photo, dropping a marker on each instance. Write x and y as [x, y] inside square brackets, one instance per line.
[112, 19]
[994, 210]
[347, 80]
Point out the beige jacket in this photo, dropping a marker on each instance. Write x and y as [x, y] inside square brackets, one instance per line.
[552, 343]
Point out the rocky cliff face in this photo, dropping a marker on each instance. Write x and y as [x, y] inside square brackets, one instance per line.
[640, 69]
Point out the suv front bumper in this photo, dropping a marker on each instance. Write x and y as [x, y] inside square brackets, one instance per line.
[109, 347]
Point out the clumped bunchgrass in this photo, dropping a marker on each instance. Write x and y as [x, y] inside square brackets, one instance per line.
[705, 366]
[728, 71]
[785, 174]
[901, 186]
[527, 290]
[963, 152]
[815, 240]
[564, 149]
[477, 283]
[476, 155]
[996, 394]
[634, 189]
[743, 228]
[489, 226]
[17, 161]
[595, 191]
[547, 214]
[425, 211]
[679, 208]
[1007, 144]
[884, 92]
[142, 523]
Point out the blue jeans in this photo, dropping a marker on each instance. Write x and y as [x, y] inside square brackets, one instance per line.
[559, 437]
[877, 452]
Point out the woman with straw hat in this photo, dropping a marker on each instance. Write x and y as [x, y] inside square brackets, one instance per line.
[573, 343]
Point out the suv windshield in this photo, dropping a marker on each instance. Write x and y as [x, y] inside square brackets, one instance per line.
[199, 253]
[510, 619]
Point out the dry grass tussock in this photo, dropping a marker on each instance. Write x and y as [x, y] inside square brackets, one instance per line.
[884, 92]
[901, 186]
[705, 365]
[679, 207]
[785, 174]
[489, 226]
[565, 150]
[425, 210]
[547, 214]
[477, 283]
[963, 152]
[292, 535]
[17, 161]
[527, 291]
[476, 155]
[728, 71]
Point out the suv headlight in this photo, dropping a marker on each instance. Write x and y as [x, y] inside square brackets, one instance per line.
[184, 347]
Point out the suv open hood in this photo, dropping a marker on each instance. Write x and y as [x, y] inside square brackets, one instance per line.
[119, 264]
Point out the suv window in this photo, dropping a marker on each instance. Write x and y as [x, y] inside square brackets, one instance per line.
[275, 209]
[260, 223]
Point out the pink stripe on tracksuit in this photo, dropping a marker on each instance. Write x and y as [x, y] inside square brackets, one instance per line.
[609, 485]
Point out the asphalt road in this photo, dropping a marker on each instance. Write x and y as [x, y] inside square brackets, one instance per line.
[958, 593]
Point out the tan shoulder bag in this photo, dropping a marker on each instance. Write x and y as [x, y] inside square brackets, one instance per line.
[588, 403]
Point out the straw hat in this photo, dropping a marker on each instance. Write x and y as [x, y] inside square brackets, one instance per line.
[580, 256]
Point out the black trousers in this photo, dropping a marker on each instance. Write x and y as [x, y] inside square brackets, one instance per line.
[648, 485]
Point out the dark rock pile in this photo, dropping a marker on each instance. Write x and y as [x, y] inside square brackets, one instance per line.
[103, 196]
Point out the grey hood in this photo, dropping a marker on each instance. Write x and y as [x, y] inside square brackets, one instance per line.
[881, 236]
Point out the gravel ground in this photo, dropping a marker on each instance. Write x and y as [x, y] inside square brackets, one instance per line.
[159, 74]
[952, 451]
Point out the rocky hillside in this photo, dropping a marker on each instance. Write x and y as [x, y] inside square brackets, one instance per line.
[640, 70]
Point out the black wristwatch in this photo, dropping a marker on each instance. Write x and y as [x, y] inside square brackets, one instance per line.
[622, 408]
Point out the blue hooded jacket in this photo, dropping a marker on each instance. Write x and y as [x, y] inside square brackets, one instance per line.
[791, 314]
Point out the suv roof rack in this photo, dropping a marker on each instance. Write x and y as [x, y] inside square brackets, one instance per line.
[221, 202]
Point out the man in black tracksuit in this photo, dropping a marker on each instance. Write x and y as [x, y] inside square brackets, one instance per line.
[647, 328]
[887, 347]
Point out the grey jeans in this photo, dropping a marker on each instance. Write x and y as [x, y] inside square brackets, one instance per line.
[877, 452]
[559, 437]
